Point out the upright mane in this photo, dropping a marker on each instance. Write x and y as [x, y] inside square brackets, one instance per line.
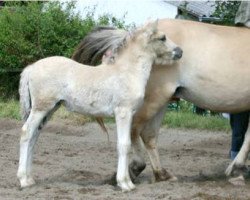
[97, 42]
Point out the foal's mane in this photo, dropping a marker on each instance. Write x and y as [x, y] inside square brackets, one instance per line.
[97, 42]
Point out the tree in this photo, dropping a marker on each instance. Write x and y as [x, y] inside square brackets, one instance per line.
[226, 10]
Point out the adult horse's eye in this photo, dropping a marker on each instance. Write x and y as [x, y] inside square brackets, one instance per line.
[163, 38]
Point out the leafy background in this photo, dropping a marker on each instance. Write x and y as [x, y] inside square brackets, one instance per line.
[34, 30]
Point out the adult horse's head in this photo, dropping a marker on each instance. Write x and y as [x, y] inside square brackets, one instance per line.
[161, 47]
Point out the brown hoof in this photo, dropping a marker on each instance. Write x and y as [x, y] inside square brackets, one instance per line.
[163, 175]
[134, 170]
[112, 180]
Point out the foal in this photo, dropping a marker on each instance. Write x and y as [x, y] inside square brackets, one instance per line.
[113, 88]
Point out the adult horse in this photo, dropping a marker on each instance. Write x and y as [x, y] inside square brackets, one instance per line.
[53, 81]
[213, 74]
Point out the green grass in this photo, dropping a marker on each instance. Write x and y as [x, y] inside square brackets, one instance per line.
[178, 119]
[9, 109]
[74, 118]
[173, 119]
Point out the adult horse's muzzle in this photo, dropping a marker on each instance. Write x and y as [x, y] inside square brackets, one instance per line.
[177, 53]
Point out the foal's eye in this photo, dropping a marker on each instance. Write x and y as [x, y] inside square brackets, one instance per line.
[163, 38]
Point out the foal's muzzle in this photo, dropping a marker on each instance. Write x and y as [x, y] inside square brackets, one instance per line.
[177, 53]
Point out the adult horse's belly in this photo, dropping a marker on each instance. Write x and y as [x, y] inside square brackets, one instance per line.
[215, 70]
[222, 86]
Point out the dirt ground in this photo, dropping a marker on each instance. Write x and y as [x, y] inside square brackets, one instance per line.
[76, 162]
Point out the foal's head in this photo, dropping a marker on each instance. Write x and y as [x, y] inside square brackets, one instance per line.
[163, 50]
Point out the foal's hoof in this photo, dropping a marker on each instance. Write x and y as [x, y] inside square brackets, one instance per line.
[163, 175]
[126, 186]
[26, 182]
[237, 181]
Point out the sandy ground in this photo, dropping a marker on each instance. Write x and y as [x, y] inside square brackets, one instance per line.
[76, 162]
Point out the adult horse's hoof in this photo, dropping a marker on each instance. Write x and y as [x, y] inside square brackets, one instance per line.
[163, 175]
[135, 169]
[237, 181]
[113, 180]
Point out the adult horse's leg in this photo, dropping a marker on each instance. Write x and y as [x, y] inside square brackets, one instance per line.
[240, 160]
[28, 139]
[123, 122]
[138, 163]
[149, 136]
[148, 132]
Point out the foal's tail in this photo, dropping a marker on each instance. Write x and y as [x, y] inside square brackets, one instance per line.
[25, 100]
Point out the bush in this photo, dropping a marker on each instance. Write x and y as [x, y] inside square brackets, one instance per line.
[34, 30]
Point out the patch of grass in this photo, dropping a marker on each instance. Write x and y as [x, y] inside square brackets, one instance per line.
[173, 119]
[9, 109]
[74, 118]
[190, 120]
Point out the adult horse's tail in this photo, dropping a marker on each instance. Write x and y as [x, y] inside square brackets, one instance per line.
[25, 101]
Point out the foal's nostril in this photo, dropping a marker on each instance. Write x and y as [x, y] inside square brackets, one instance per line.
[177, 53]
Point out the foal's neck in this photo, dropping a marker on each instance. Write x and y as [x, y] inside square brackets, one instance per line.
[136, 62]
[143, 66]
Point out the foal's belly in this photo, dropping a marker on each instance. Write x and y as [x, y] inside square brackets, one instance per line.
[91, 110]
[91, 104]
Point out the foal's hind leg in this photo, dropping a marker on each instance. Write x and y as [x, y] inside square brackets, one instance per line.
[28, 139]
[149, 136]
[240, 160]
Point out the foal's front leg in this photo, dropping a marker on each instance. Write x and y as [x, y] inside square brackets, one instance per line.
[123, 122]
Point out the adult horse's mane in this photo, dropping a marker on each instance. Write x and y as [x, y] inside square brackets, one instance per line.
[95, 44]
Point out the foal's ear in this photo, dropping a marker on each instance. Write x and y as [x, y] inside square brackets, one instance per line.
[155, 25]
[151, 28]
